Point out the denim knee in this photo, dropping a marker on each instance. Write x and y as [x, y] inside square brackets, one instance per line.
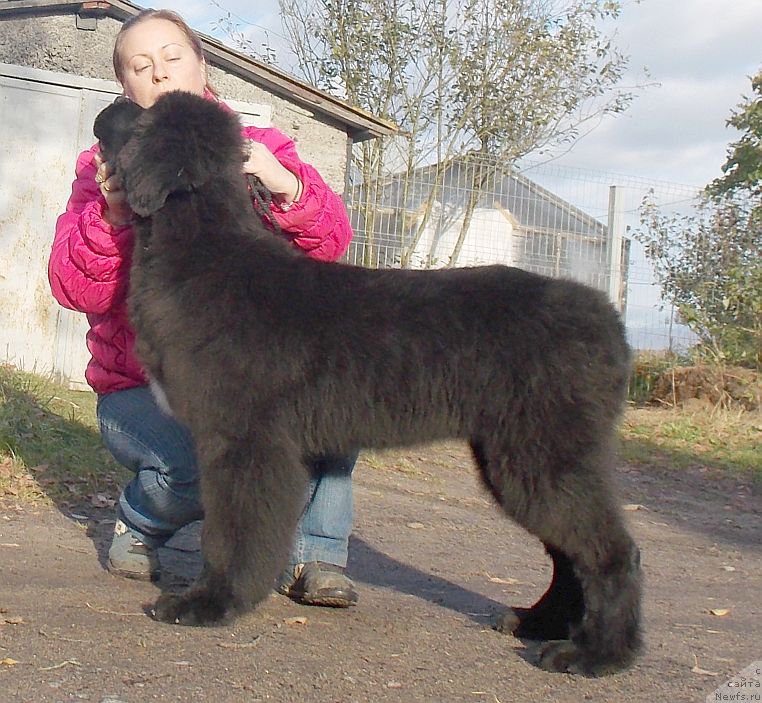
[164, 494]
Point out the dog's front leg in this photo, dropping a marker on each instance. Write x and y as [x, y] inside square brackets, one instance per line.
[209, 601]
[253, 492]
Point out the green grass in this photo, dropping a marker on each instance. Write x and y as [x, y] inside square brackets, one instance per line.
[722, 440]
[51, 451]
[50, 448]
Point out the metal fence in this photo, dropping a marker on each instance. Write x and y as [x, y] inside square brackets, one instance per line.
[555, 220]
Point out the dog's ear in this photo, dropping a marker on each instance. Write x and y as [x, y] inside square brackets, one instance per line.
[114, 125]
[177, 146]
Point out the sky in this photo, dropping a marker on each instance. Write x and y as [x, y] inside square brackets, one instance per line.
[701, 53]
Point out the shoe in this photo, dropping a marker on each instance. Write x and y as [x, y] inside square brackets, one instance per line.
[318, 583]
[131, 558]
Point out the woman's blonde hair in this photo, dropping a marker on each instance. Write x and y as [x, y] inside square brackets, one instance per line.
[150, 14]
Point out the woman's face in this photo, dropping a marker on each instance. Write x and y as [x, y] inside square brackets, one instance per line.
[156, 58]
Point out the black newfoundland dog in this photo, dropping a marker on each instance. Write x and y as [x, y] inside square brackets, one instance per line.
[271, 358]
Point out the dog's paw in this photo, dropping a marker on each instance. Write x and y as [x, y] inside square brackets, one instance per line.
[195, 608]
[508, 622]
[564, 656]
[533, 624]
[560, 656]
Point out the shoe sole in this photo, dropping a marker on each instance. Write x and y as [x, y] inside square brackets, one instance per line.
[327, 601]
[335, 600]
[133, 575]
[332, 599]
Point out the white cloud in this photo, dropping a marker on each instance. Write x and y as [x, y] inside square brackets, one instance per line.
[702, 53]
[686, 37]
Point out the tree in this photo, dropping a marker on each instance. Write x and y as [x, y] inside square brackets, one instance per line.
[709, 264]
[230, 25]
[743, 168]
[462, 78]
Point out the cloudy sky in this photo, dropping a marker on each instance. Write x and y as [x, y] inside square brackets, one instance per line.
[700, 52]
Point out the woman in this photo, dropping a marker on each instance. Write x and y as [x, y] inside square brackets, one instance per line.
[156, 52]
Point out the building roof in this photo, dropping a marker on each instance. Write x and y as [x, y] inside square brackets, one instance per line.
[358, 123]
[534, 207]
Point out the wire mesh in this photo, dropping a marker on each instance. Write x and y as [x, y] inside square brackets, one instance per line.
[555, 220]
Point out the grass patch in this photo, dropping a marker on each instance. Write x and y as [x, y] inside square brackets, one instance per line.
[725, 440]
[50, 447]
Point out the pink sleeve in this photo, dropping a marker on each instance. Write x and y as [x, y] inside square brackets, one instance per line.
[89, 261]
[318, 222]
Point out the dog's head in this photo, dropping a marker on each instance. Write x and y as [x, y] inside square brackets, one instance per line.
[113, 126]
[176, 146]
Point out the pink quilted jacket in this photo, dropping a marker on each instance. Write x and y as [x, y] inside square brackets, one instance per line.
[90, 260]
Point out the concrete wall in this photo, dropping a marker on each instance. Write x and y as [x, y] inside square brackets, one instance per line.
[54, 43]
[317, 142]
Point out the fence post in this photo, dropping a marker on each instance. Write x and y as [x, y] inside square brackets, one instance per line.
[616, 231]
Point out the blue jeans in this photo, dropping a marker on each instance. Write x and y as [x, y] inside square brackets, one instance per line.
[164, 496]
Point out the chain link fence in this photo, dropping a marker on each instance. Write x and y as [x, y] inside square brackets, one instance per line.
[554, 220]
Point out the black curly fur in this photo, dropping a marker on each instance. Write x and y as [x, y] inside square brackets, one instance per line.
[270, 358]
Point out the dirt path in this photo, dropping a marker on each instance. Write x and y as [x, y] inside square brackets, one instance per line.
[434, 562]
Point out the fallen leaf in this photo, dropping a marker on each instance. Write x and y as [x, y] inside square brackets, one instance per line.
[14, 620]
[300, 620]
[8, 662]
[632, 507]
[728, 568]
[719, 612]
[416, 525]
[509, 581]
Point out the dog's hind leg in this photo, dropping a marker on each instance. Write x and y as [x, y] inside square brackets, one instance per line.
[572, 510]
[552, 617]
[252, 496]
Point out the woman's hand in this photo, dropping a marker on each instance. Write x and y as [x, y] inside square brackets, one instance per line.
[274, 175]
[118, 212]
